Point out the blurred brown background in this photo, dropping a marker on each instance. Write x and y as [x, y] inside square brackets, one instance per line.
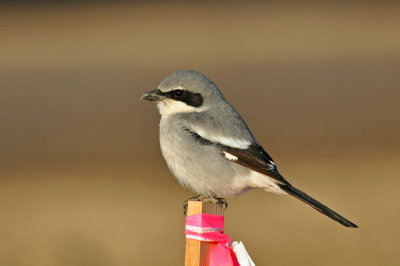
[82, 180]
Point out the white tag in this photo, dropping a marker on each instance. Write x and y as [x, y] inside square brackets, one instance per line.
[241, 254]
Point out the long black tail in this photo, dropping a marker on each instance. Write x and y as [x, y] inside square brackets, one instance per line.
[316, 205]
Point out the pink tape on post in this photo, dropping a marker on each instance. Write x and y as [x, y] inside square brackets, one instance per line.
[210, 228]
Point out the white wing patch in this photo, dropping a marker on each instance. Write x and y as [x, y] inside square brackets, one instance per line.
[230, 157]
[227, 141]
[234, 143]
[271, 165]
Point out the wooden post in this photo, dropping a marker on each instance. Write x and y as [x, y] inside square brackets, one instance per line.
[197, 251]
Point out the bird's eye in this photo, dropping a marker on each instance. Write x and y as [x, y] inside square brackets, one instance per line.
[177, 93]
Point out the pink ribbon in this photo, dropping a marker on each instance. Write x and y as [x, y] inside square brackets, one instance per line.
[210, 228]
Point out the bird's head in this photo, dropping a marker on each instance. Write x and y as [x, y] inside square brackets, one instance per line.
[184, 91]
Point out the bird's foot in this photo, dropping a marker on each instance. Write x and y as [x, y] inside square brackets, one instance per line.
[196, 198]
[221, 201]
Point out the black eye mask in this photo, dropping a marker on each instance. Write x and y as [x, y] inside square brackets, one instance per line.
[188, 97]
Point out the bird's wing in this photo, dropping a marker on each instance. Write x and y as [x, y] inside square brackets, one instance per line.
[255, 158]
[235, 135]
[251, 155]
[243, 151]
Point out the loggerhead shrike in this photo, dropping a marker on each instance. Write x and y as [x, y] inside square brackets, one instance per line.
[208, 146]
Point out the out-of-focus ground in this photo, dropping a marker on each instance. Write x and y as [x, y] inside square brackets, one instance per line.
[82, 180]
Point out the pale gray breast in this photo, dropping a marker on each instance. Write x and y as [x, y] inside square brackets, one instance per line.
[175, 148]
[196, 163]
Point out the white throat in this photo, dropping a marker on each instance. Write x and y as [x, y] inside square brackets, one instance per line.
[169, 106]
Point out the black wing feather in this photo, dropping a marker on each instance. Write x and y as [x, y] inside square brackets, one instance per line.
[258, 160]
[255, 158]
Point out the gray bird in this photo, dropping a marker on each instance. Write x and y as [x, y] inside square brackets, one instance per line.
[208, 146]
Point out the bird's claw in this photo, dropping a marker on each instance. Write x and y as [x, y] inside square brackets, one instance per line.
[185, 204]
[223, 203]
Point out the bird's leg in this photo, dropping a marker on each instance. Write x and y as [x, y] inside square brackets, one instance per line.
[221, 202]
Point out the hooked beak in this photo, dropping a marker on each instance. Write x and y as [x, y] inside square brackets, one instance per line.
[153, 95]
